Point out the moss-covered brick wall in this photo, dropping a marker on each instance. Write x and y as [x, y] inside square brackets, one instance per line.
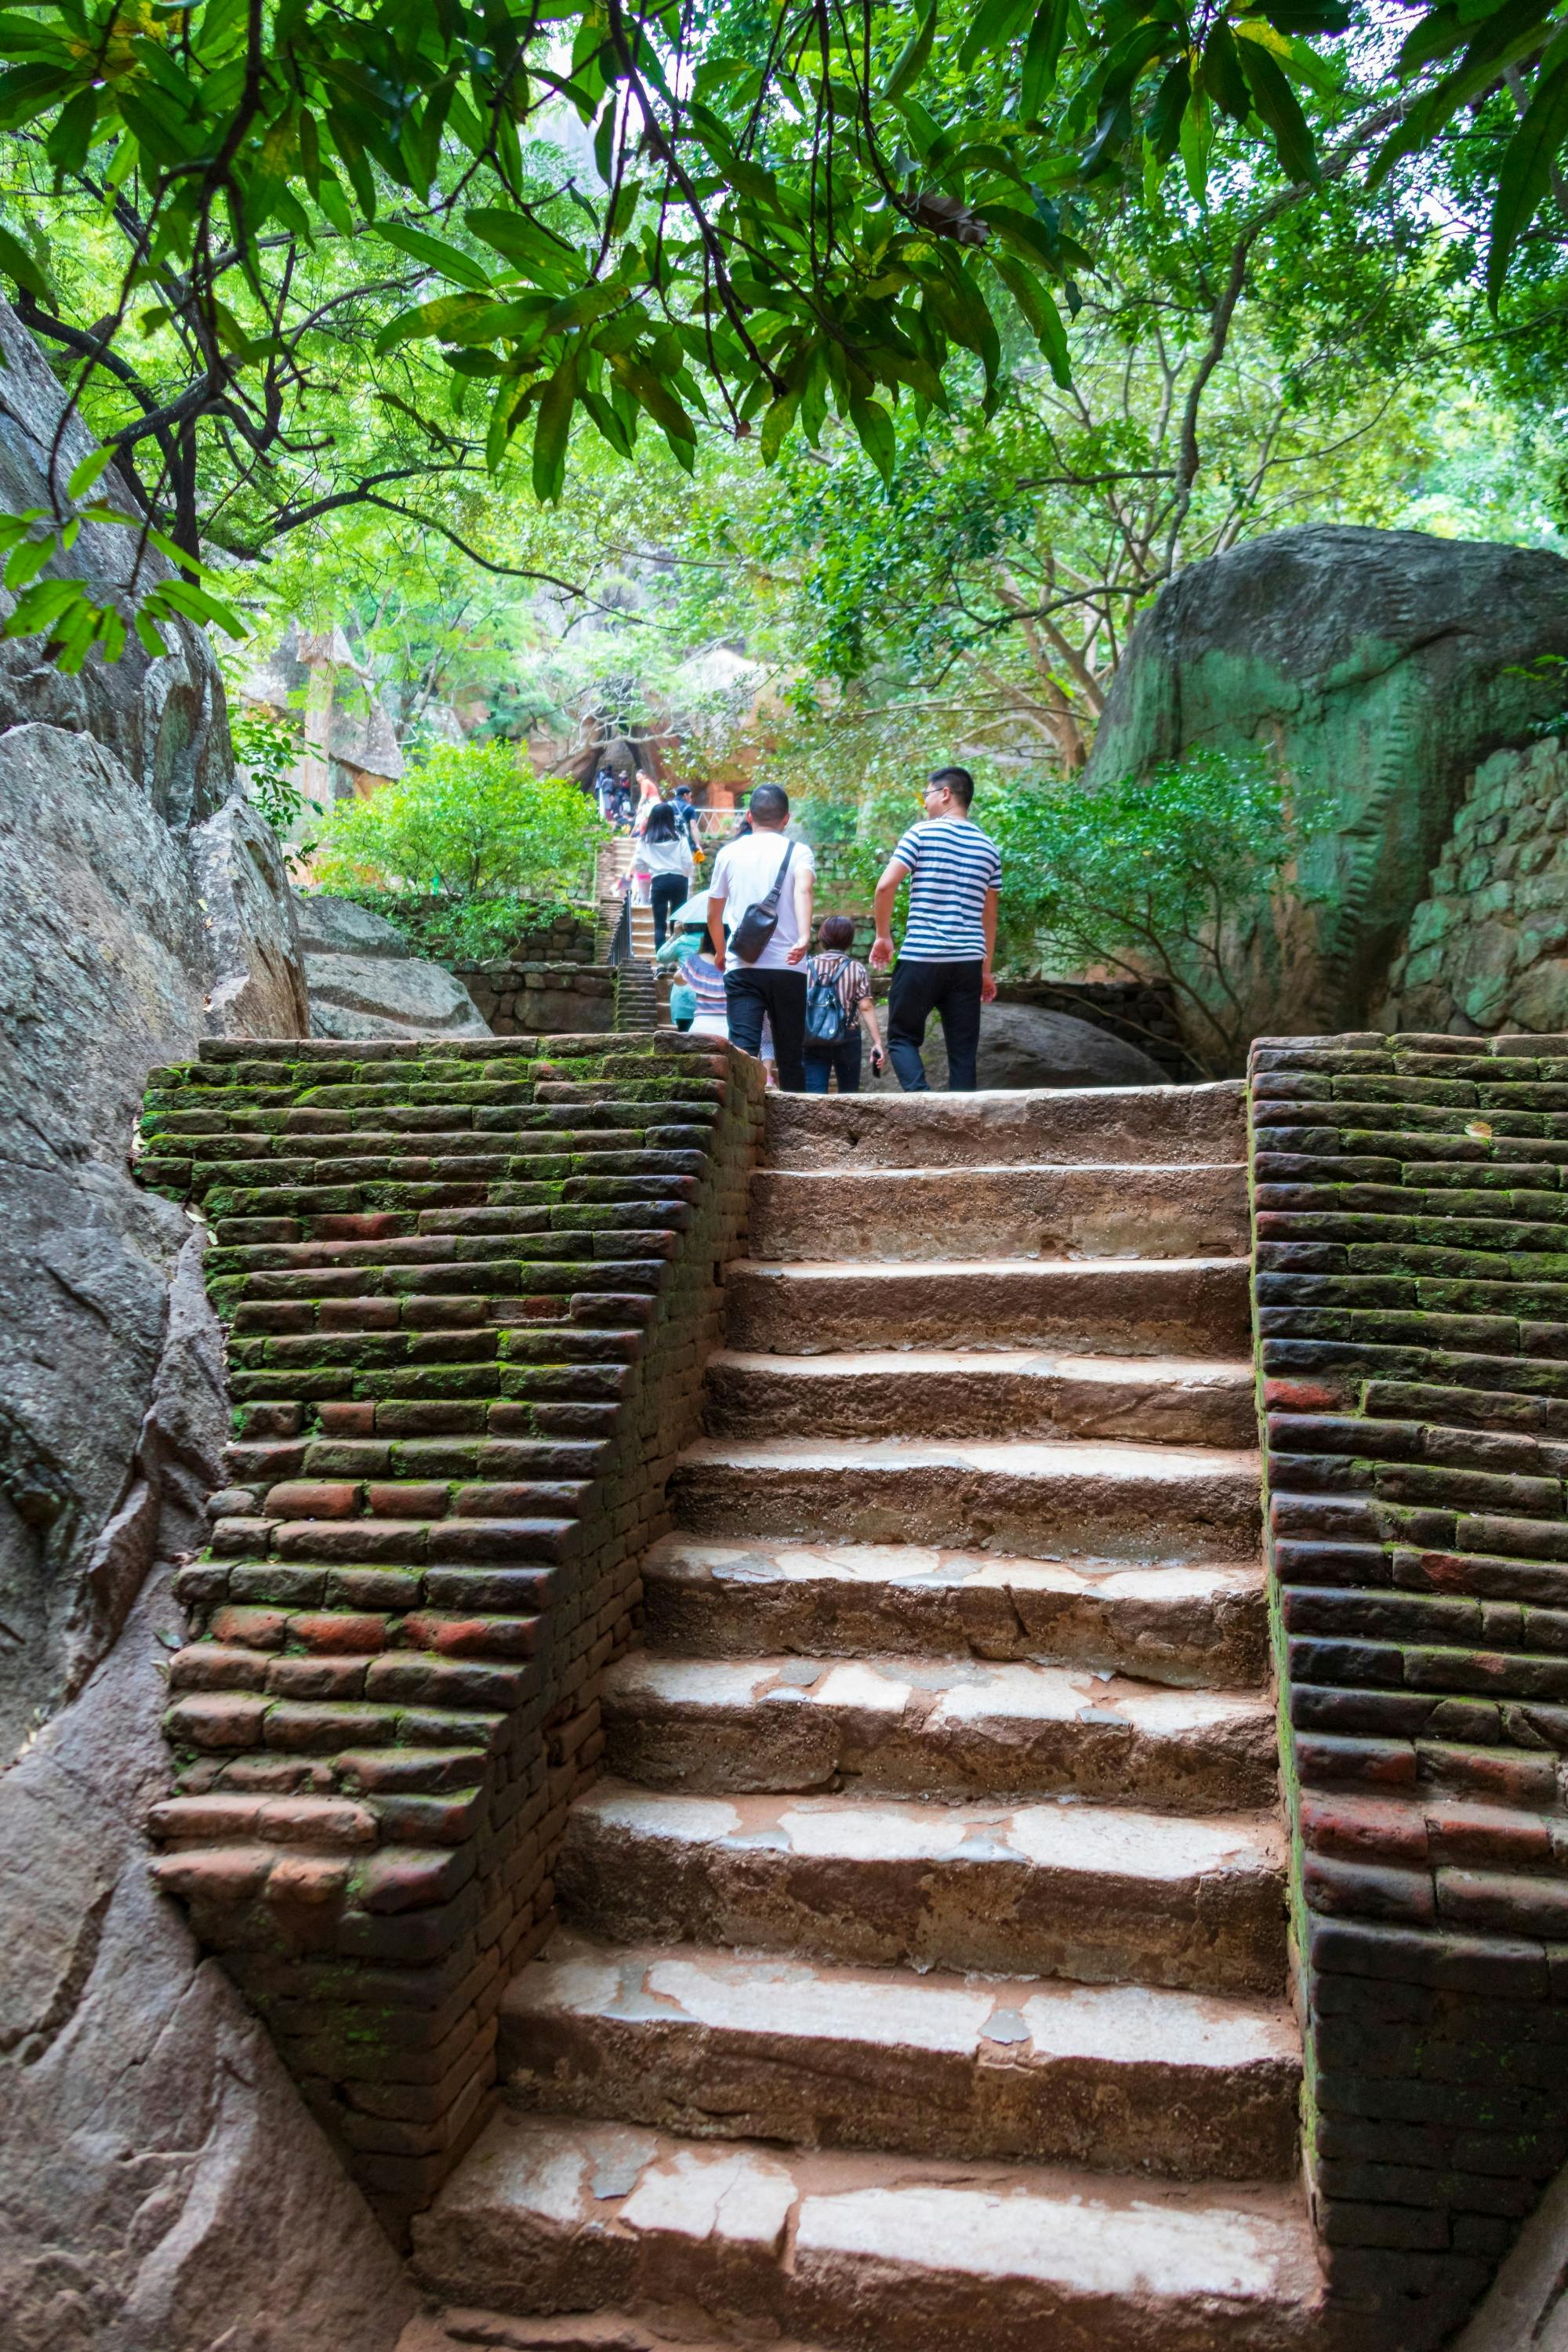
[1411, 1212]
[468, 1290]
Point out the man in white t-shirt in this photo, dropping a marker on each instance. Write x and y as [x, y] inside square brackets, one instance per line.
[772, 986]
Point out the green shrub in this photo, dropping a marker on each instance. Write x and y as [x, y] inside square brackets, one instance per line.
[470, 825]
[463, 931]
[1167, 876]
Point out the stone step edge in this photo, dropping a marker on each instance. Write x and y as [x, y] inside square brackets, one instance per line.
[1250, 2017]
[784, 2229]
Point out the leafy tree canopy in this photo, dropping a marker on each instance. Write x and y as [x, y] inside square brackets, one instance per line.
[531, 216]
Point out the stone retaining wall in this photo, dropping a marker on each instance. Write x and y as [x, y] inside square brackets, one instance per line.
[533, 1000]
[1411, 1208]
[1488, 947]
[470, 1290]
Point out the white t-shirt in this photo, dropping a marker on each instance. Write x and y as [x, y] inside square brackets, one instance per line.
[745, 871]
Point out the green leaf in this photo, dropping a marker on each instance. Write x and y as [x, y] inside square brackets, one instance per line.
[449, 259]
[84, 475]
[997, 22]
[24, 562]
[1042, 57]
[18, 264]
[1197, 143]
[553, 431]
[607, 423]
[1037, 307]
[40, 606]
[878, 436]
[776, 423]
[1163, 130]
[1278, 104]
[1222, 74]
[440, 317]
[1526, 173]
[68, 142]
[911, 64]
[519, 238]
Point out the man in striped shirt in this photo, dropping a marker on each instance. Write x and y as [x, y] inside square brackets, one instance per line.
[955, 873]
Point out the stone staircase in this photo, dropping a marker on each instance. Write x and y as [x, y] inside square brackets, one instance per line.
[921, 1981]
[637, 981]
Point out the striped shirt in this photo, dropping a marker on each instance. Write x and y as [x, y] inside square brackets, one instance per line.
[952, 865]
[706, 982]
[851, 980]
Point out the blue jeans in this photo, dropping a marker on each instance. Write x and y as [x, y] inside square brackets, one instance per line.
[952, 991]
[821, 1061]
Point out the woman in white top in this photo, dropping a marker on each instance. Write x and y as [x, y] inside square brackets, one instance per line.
[662, 867]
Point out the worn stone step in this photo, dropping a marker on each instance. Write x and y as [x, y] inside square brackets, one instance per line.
[1011, 1392]
[1122, 1126]
[1181, 1210]
[1127, 1502]
[1120, 1307]
[1103, 1894]
[458, 2327]
[870, 2253]
[710, 2044]
[958, 1728]
[1204, 1624]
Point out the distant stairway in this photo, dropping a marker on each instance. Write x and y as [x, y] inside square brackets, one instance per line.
[637, 983]
[920, 1984]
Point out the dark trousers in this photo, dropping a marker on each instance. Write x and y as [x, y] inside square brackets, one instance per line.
[780, 996]
[821, 1061]
[950, 990]
[666, 892]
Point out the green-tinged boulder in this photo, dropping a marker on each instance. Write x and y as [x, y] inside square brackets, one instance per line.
[1378, 668]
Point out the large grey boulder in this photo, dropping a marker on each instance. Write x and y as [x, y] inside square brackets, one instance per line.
[365, 981]
[1375, 667]
[1025, 1045]
[162, 717]
[162, 2187]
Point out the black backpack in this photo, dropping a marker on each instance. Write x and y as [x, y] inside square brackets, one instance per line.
[827, 1022]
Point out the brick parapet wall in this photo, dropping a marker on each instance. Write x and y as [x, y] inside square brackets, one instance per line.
[448, 1466]
[1411, 1214]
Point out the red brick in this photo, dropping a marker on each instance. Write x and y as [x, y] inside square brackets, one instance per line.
[308, 1499]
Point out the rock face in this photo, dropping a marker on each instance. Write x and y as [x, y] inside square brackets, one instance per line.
[143, 906]
[161, 2186]
[1488, 946]
[365, 983]
[1025, 1045]
[1375, 666]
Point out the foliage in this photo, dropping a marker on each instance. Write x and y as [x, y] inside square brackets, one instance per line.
[466, 823]
[269, 751]
[577, 214]
[1165, 874]
[462, 930]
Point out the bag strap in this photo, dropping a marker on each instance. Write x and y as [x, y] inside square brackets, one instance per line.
[770, 905]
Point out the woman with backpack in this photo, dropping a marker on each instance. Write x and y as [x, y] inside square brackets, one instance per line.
[837, 998]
